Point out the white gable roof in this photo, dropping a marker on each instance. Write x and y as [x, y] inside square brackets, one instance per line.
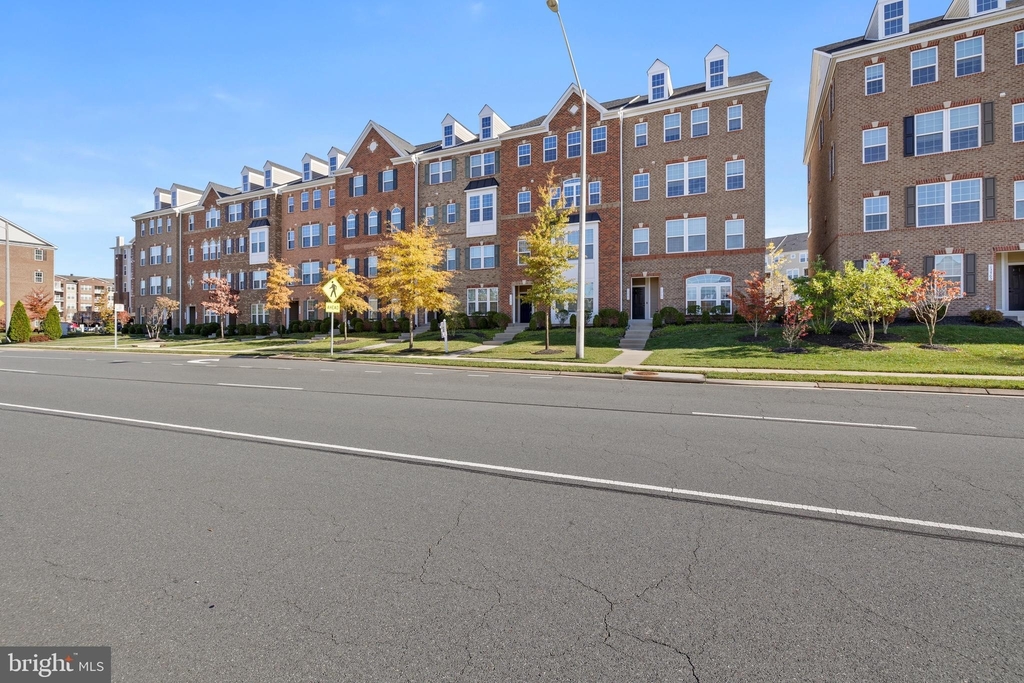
[22, 237]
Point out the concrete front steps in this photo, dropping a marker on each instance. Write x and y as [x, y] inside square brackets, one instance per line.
[420, 329]
[506, 336]
[636, 335]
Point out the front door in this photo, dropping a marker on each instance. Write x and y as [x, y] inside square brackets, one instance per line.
[525, 307]
[639, 303]
[1016, 302]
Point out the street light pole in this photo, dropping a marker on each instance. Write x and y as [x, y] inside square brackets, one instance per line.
[581, 313]
[7, 275]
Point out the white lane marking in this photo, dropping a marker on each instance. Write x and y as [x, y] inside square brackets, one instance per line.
[258, 386]
[204, 361]
[327, 371]
[541, 376]
[147, 362]
[813, 422]
[23, 372]
[177, 363]
[247, 367]
[373, 372]
[284, 368]
[555, 476]
[424, 373]
[472, 375]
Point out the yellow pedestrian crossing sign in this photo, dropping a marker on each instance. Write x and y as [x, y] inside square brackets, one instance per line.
[332, 308]
[332, 290]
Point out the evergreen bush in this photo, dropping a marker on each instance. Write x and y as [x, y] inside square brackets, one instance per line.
[51, 325]
[21, 328]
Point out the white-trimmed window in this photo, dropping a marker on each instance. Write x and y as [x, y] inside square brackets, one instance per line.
[291, 204]
[704, 292]
[213, 218]
[685, 235]
[876, 144]
[522, 252]
[1018, 200]
[792, 273]
[685, 178]
[641, 241]
[485, 128]
[332, 197]
[156, 256]
[234, 212]
[388, 180]
[311, 236]
[874, 79]
[451, 259]
[599, 140]
[358, 185]
[259, 208]
[894, 17]
[641, 187]
[430, 215]
[525, 202]
[699, 123]
[832, 162]
[525, 152]
[258, 313]
[307, 171]
[332, 234]
[481, 165]
[245, 182]
[640, 135]
[169, 255]
[550, 148]
[209, 316]
[351, 228]
[1020, 47]
[371, 266]
[396, 219]
[332, 163]
[142, 285]
[229, 246]
[481, 300]
[924, 66]
[594, 195]
[658, 91]
[950, 203]
[168, 285]
[947, 129]
[442, 172]
[803, 257]
[37, 277]
[1018, 122]
[736, 174]
[317, 199]
[876, 214]
[953, 267]
[257, 244]
[38, 255]
[573, 144]
[451, 213]
[311, 272]
[481, 257]
[573, 238]
[481, 214]
[290, 238]
[970, 56]
[191, 222]
[571, 192]
[556, 196]
[673, 127]
[717, 72]
[735, 232]
[373, 223]
[735, 118]
[259, 279]
[449, 136]
[191, 254]
[304, 201]
[351, 264]
[156, 285]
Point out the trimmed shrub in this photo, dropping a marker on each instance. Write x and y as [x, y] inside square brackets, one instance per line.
[598, 321]
[623, 319]
[705, 316]
[403, 324]
[435, 326]
[177, 331]
[264, 330]
[658, 320]
[672, 316]
[979, 316]
[572, 321]
[737, 318]
[537, 320]
[21, 328]
[51, 325]
[211, 328]
[324, 327]
[358, 325]
[389, 325]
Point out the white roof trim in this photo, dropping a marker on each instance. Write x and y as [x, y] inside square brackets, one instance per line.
[21, 237]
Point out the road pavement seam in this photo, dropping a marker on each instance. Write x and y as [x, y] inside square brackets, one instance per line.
[258, 386]
[805, 421]
[466, 465]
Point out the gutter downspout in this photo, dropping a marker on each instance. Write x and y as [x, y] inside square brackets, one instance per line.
[416, 218]
[622, 206]
[181, 298]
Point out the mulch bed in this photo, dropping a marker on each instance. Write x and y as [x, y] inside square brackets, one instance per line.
[857, 346]
[939, 347]
[888, 337]
[790, 349]
[836, 341]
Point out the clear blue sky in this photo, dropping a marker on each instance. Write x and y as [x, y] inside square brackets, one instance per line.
[101, 102]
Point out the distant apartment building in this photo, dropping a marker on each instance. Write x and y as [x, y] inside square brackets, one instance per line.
[793, 255]
[914, 143]
[675, 199]
[79, 299]
[124, 264]
[31, 265]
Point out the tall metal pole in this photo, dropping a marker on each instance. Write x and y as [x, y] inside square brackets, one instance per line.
[7, 276]
[581, 313]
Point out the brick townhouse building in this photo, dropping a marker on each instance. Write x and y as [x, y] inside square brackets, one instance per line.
[914, 144]
[31, 264]
[124, 265]
[675, 204]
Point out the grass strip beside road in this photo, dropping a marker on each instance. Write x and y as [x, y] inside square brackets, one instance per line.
[602, 346]
[964, 383]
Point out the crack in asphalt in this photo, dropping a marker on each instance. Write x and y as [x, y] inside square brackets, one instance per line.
[430, 550]
[652, 641]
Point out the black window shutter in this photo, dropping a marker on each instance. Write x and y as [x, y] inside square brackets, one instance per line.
[380, 181]
[929, 265]
[988, 123]
[908, 136]
[970, 278]
[366, 224]
[466, 264]
[469, 164]
[911, 207]
[426, 172]
[455, 169]
[496, 258]
[401, 221]
[366, 266]
[394, 178]
[497, 161]
[457, 211]
[356, 266]
[990, 199]
[351, 186]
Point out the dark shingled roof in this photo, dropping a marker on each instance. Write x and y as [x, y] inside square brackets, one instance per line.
[481, 184]
[260, 223]
[697, 88]
[916, 27]
[223, 190]
[592, 217]
[794, 242]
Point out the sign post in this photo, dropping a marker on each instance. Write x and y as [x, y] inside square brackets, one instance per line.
[444, 335]
[118, 308]
[332, 290]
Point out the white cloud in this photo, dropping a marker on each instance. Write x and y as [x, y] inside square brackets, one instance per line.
[476, 9]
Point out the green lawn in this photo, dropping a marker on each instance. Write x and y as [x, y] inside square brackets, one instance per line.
[602, 346]
[422, 348]
[983, 351]
[873, 379]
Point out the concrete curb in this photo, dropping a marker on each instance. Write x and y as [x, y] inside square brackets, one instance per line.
[681, 378]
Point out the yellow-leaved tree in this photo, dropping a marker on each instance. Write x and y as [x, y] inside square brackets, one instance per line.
[549, 257]
[354, 288]
[777, 283]
[410, 273]
[279, 295]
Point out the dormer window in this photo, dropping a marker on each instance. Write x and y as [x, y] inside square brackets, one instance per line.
[156, 202]
[657, 87]
[333, 160]
[449, 136]
[174, 198]
[307, 171]
[894, 18]
[485, 128]
[268, 178]
[717, 73]
[245, 182]
[982, 6]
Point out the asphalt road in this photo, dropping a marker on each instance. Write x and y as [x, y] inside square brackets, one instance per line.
[267, 520]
